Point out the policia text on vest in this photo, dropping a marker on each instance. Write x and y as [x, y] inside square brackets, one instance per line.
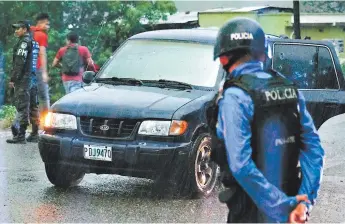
[269, 103]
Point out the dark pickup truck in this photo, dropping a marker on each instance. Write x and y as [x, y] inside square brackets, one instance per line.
[144, 113]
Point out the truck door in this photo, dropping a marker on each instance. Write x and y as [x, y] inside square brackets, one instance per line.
[312, 68]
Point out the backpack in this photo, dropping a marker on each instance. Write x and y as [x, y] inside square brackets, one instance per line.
[71, 61]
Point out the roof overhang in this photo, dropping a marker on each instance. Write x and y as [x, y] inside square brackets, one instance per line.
[321, 19]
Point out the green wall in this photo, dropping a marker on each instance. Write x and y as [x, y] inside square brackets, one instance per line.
[273, 24]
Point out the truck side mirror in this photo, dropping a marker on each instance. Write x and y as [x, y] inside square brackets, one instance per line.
[88, 77]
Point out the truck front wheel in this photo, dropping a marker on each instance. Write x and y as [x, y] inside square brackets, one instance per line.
[63, 176]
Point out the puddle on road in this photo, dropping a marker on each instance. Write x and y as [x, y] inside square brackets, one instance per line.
[47, 213]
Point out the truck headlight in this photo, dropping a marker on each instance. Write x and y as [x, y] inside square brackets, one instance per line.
[163, 128]
[60, 121]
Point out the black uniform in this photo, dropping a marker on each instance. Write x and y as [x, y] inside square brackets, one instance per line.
[21, 76]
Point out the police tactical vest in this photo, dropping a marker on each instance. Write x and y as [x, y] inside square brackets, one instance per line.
[26, 70]
[275, 131]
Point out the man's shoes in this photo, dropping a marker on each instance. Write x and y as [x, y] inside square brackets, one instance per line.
[18, 139]
[14, 130]
[32, 138]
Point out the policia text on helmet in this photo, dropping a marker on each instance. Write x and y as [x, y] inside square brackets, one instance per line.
[240, 39]
[259, 133]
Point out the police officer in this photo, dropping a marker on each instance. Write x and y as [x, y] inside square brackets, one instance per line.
[24, 54]
[264, 130]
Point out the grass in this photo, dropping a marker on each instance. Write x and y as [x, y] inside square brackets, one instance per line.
[7, 115]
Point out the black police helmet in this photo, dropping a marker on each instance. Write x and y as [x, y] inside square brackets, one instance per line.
[239, 33]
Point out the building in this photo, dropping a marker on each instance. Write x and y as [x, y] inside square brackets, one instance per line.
[180, 20]
[278, 20]
[273, 19]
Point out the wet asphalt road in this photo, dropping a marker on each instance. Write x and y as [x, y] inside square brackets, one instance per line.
[26, 195]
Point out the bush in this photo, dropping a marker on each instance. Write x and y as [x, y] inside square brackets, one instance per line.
[7, 115]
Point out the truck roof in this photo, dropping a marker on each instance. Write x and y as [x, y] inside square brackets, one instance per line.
[208, 36]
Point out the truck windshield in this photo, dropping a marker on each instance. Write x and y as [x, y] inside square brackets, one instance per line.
[186, 62]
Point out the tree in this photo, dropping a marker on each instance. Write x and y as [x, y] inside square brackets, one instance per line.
[101, 25]
[323, 6]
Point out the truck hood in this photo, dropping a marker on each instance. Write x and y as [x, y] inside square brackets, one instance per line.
[131, 102]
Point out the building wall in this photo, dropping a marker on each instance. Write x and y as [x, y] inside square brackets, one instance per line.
[329, 32]
[271, 23]
[275, 24]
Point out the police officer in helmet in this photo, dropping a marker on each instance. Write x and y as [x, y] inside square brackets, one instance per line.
[265, 130]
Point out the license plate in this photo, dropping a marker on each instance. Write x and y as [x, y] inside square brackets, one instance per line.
[95, 152]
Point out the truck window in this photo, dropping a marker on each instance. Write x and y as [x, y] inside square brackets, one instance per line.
[327, 77]
[310, 67]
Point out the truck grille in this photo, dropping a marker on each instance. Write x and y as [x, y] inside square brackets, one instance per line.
[112, 128]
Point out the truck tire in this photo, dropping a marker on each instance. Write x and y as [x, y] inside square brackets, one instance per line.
[62, 175]
[200, 176]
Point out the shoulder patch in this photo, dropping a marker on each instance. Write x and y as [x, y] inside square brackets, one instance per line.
[23, 45]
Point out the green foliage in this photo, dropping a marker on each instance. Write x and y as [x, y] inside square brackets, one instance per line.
[7, 111]
[7, 115]
[101, 25]
[323, 6]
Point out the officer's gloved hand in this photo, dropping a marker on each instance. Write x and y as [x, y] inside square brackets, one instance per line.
[300, 213]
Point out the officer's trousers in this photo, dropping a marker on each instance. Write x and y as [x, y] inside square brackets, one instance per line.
[242, 209]
[34, 113]
[22, 103]
[26, 103]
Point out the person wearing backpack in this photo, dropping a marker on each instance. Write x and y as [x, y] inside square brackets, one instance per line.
[72, 59]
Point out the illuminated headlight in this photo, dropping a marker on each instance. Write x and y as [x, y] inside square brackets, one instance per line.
[60, 121]
[162, 128]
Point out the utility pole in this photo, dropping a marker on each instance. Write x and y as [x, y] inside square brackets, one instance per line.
[296, 20]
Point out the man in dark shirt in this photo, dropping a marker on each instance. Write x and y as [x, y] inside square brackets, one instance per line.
[21, 79]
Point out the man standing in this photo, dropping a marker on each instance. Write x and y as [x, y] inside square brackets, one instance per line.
[73, 58]
[40, 35]
[21, 79]
[34, 113]
[264, 137]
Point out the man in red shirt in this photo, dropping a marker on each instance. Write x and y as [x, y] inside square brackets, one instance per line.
[74, 82]
[40, 35]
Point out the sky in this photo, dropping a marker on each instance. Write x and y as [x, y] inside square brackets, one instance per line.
[197, 5]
